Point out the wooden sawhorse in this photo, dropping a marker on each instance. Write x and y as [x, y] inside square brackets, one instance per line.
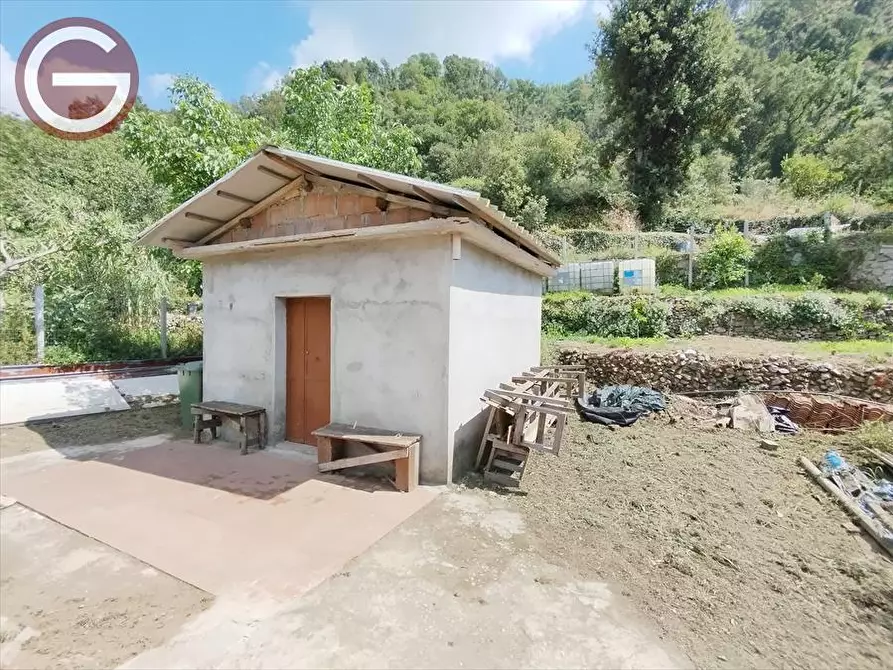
[385, 445]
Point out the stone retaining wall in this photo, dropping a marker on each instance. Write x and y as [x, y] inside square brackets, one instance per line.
[690, 370]
[688, 317]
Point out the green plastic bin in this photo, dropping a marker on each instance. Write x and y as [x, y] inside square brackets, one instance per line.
[189, 379]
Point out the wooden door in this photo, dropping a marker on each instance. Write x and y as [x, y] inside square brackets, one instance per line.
[308, 367]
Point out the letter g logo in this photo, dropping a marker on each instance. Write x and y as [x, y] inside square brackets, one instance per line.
[77, 78]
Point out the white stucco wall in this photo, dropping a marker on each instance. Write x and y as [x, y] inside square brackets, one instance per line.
[390, 328]
[495, 316]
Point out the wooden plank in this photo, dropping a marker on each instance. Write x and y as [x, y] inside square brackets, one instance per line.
[541, 368]
[507, 465]
[222, 407]
[273, 173]
[380, 436]
[232, 196]
[867, 523]
[501, 445]
[882, 515]
[202, 217]
[388, 231]
[407, 470]
[886, 459]
[369, 459]
[377, 185]
[561, 380]
[390, 197]
[545, 401]
[424, 195]
[482, 448]
[290, 162]
[296, 184]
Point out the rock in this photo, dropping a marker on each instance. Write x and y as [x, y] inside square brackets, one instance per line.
[768, 445]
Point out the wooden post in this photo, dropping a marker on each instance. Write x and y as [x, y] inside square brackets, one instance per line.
[38, 322]
[162, 318]
[691, 254]
[867, 523]
[747, 270]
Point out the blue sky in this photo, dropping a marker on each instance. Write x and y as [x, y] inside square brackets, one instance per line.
[243, 47]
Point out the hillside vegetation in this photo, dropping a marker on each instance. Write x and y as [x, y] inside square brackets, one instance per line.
[692, 111]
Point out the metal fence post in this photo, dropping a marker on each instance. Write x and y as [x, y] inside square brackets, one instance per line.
[162, 314]
[747, 269]
[691, 255]
[38, 322]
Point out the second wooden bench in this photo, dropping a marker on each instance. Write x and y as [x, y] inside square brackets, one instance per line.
[385, 445]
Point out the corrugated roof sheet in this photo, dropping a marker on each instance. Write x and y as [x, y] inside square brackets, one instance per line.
[255, 179]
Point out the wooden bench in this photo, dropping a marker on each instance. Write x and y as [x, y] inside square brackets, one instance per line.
[384, 445]
[238, 414]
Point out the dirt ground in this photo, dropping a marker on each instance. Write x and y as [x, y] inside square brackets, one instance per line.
[743, 347]
[92, 429]
[455, 586]
[72, 602]
[732, 550]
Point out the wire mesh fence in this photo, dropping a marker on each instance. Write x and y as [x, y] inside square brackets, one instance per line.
[39, 326]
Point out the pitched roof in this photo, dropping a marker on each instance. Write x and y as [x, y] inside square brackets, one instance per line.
[244, 190]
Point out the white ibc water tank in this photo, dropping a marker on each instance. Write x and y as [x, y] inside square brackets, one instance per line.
[637, 275]
[597, 276]
[567, 278]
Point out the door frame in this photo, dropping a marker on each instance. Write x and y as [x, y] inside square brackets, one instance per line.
[279, 354]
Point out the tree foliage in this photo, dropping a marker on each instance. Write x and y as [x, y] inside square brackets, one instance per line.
[203, 137]
[74, 208]
[668, 67]
[725, 261]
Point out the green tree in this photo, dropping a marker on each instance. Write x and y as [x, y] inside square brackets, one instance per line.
[344, 123]
[668, 69]
[818, 67]
[724, 263]
[74, 208]
[809, 176]
[198, 141]
[864, 156]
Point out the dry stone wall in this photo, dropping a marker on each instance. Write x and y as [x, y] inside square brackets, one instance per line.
[689, 317]
[690, 370]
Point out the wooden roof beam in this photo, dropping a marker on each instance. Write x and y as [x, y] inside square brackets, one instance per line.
[273, 173]
[289, 162]
[390, 197]
[233, 196]
[202, 217]
[296, 184]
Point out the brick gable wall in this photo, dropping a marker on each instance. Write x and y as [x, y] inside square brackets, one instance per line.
[320, 210]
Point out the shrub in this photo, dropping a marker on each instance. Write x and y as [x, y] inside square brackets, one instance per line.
[725, 261]
[836, 316]
[809, 176]
[796, 260]
[583, 313]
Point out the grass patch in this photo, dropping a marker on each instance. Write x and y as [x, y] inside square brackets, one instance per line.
[625, 342]
[771, 291]
[876, 350]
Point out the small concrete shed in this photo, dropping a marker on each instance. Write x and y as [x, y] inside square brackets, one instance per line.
[335, 292]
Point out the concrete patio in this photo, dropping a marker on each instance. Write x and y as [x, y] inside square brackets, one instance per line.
[305, 571]
[265, 522]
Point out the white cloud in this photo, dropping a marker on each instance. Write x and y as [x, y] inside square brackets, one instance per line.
[9, 101]
[263, 77]
[601, 8]
[492, 30]
[157, 84]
